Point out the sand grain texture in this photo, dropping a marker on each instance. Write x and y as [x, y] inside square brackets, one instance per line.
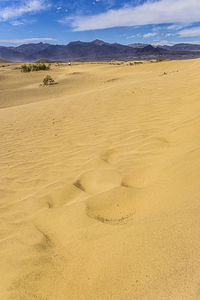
[99, 182]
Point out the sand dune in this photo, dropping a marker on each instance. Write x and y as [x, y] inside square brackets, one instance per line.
[99, 182]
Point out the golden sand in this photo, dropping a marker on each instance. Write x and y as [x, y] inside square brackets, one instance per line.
[99, 182]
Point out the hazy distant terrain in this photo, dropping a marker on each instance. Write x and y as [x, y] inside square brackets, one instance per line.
[97, 50]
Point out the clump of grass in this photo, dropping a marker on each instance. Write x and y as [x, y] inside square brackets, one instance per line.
[115, 63]
[40, 67]
[135, 63]
[34, 67]
[160, 59]
[25, 68]
[48, 80]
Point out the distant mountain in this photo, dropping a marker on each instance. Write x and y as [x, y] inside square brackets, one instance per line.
[99, 43]
[12, 54]
[150, 50]
[97, 50]
[138, 45]
[45, 61]
[3, 61]
[182, 47]
[31, 49]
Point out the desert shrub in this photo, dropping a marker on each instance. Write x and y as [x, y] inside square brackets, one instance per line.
[37, 67]
[138, 62]
[135, 63]
[48, 80]
[26, 68]
[160, 59]
[40, 67]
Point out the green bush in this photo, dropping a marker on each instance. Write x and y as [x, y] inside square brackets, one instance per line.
[40, 67]
[25, 68]
[37, 67]
[48, 80]
[138, 62]
[135, 63]
[162, 59]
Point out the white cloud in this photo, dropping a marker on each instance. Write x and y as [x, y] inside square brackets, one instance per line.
[170, 34]
[162, 11]
[176, 26]
[150, 34]
[195, 31]
[16, 23]
[164, 43]
[27, 41]
[171, 43]
[15, 11]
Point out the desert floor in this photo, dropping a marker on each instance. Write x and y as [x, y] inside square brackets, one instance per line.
[100, 182]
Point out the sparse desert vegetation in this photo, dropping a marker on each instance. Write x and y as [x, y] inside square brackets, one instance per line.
[135, 63]
[162, 59]
[34, 67]
[48, 80]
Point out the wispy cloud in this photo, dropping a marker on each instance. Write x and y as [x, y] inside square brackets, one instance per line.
[27, 41]
[195, 31]
[151, 12]
[15, 11]
[170, 34]
[150, 34]
[164, 43]
[17, 23]
[171, 43]
[176, 26]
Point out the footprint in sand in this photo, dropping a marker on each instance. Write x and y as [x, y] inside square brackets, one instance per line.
[97, 181]
[61, 196]
[111, 202]
[140, 178]
[115, 206]
[31, 235]
[110, 156]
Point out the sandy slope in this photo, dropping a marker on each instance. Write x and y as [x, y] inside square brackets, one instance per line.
[99, 183]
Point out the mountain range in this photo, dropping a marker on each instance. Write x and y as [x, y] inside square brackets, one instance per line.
[96, 51]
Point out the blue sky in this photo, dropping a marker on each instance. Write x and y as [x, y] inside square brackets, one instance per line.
[124, 21]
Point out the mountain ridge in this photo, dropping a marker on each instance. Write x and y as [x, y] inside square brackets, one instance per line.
[97, 50]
